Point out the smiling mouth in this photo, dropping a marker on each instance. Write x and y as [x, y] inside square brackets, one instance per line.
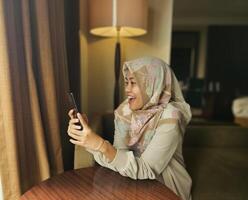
[131, 99]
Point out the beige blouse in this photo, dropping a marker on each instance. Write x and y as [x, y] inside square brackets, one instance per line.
[161, 160]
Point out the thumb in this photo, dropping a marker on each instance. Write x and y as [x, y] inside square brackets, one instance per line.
[82, 121]
[85, 118]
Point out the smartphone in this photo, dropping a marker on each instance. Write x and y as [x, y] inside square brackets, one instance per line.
[75, 107]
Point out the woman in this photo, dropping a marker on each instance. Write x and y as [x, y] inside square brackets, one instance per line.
[149, 128]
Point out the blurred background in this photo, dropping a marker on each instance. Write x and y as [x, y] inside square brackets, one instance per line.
[205, 42]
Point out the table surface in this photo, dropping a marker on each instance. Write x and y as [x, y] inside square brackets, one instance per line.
[97, 183]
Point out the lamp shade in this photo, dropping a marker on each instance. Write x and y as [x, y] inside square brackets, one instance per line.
[127, 17]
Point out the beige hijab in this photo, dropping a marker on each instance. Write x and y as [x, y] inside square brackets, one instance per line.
[159, 87]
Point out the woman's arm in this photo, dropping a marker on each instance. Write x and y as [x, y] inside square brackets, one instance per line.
[153, 160]
[108, 150]
[151, 163]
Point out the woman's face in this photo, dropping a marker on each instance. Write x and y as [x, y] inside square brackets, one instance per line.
[133, 92]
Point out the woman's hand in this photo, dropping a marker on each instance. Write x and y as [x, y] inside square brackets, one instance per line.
[85, 137]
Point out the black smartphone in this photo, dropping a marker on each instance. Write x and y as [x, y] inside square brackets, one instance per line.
[75, 107]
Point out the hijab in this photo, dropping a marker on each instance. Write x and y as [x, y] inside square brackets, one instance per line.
[159, 88]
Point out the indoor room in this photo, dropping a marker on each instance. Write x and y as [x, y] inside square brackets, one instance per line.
[123, 99]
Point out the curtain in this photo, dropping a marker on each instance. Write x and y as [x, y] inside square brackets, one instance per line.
[33, 93]
[71, 10]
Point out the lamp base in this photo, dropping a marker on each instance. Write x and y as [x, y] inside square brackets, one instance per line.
[117, 74]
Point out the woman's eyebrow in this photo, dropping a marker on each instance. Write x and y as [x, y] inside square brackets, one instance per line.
[130, 78]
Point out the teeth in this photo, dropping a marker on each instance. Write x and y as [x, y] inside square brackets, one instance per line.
[130, 97]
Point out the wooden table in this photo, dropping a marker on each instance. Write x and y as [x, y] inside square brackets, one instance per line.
[97, 183]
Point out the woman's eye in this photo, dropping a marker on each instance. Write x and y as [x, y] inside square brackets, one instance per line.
[126, 83]
[133, 83]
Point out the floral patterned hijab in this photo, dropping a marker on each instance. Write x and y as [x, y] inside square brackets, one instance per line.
[159, 87]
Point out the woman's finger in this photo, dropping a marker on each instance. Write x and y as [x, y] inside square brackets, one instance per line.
[73, 131]
[74, 136]
[75, 142]
[77, 127]
[73, 121]
[70, 113]
[85, 118]
[82, 121]
[77, 132]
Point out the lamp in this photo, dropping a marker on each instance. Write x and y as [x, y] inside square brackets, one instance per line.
[117, 18]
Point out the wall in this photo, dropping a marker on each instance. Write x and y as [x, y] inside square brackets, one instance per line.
[83, 34]
[98, 55]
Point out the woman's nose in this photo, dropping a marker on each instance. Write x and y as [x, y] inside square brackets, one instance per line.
[128, 87]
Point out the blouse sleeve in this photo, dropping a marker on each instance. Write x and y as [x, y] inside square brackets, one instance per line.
[153, 160]
[119, 144]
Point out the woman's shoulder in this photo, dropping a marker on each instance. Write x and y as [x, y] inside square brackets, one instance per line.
[172, 118]
[170, 112]
[169, 118]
